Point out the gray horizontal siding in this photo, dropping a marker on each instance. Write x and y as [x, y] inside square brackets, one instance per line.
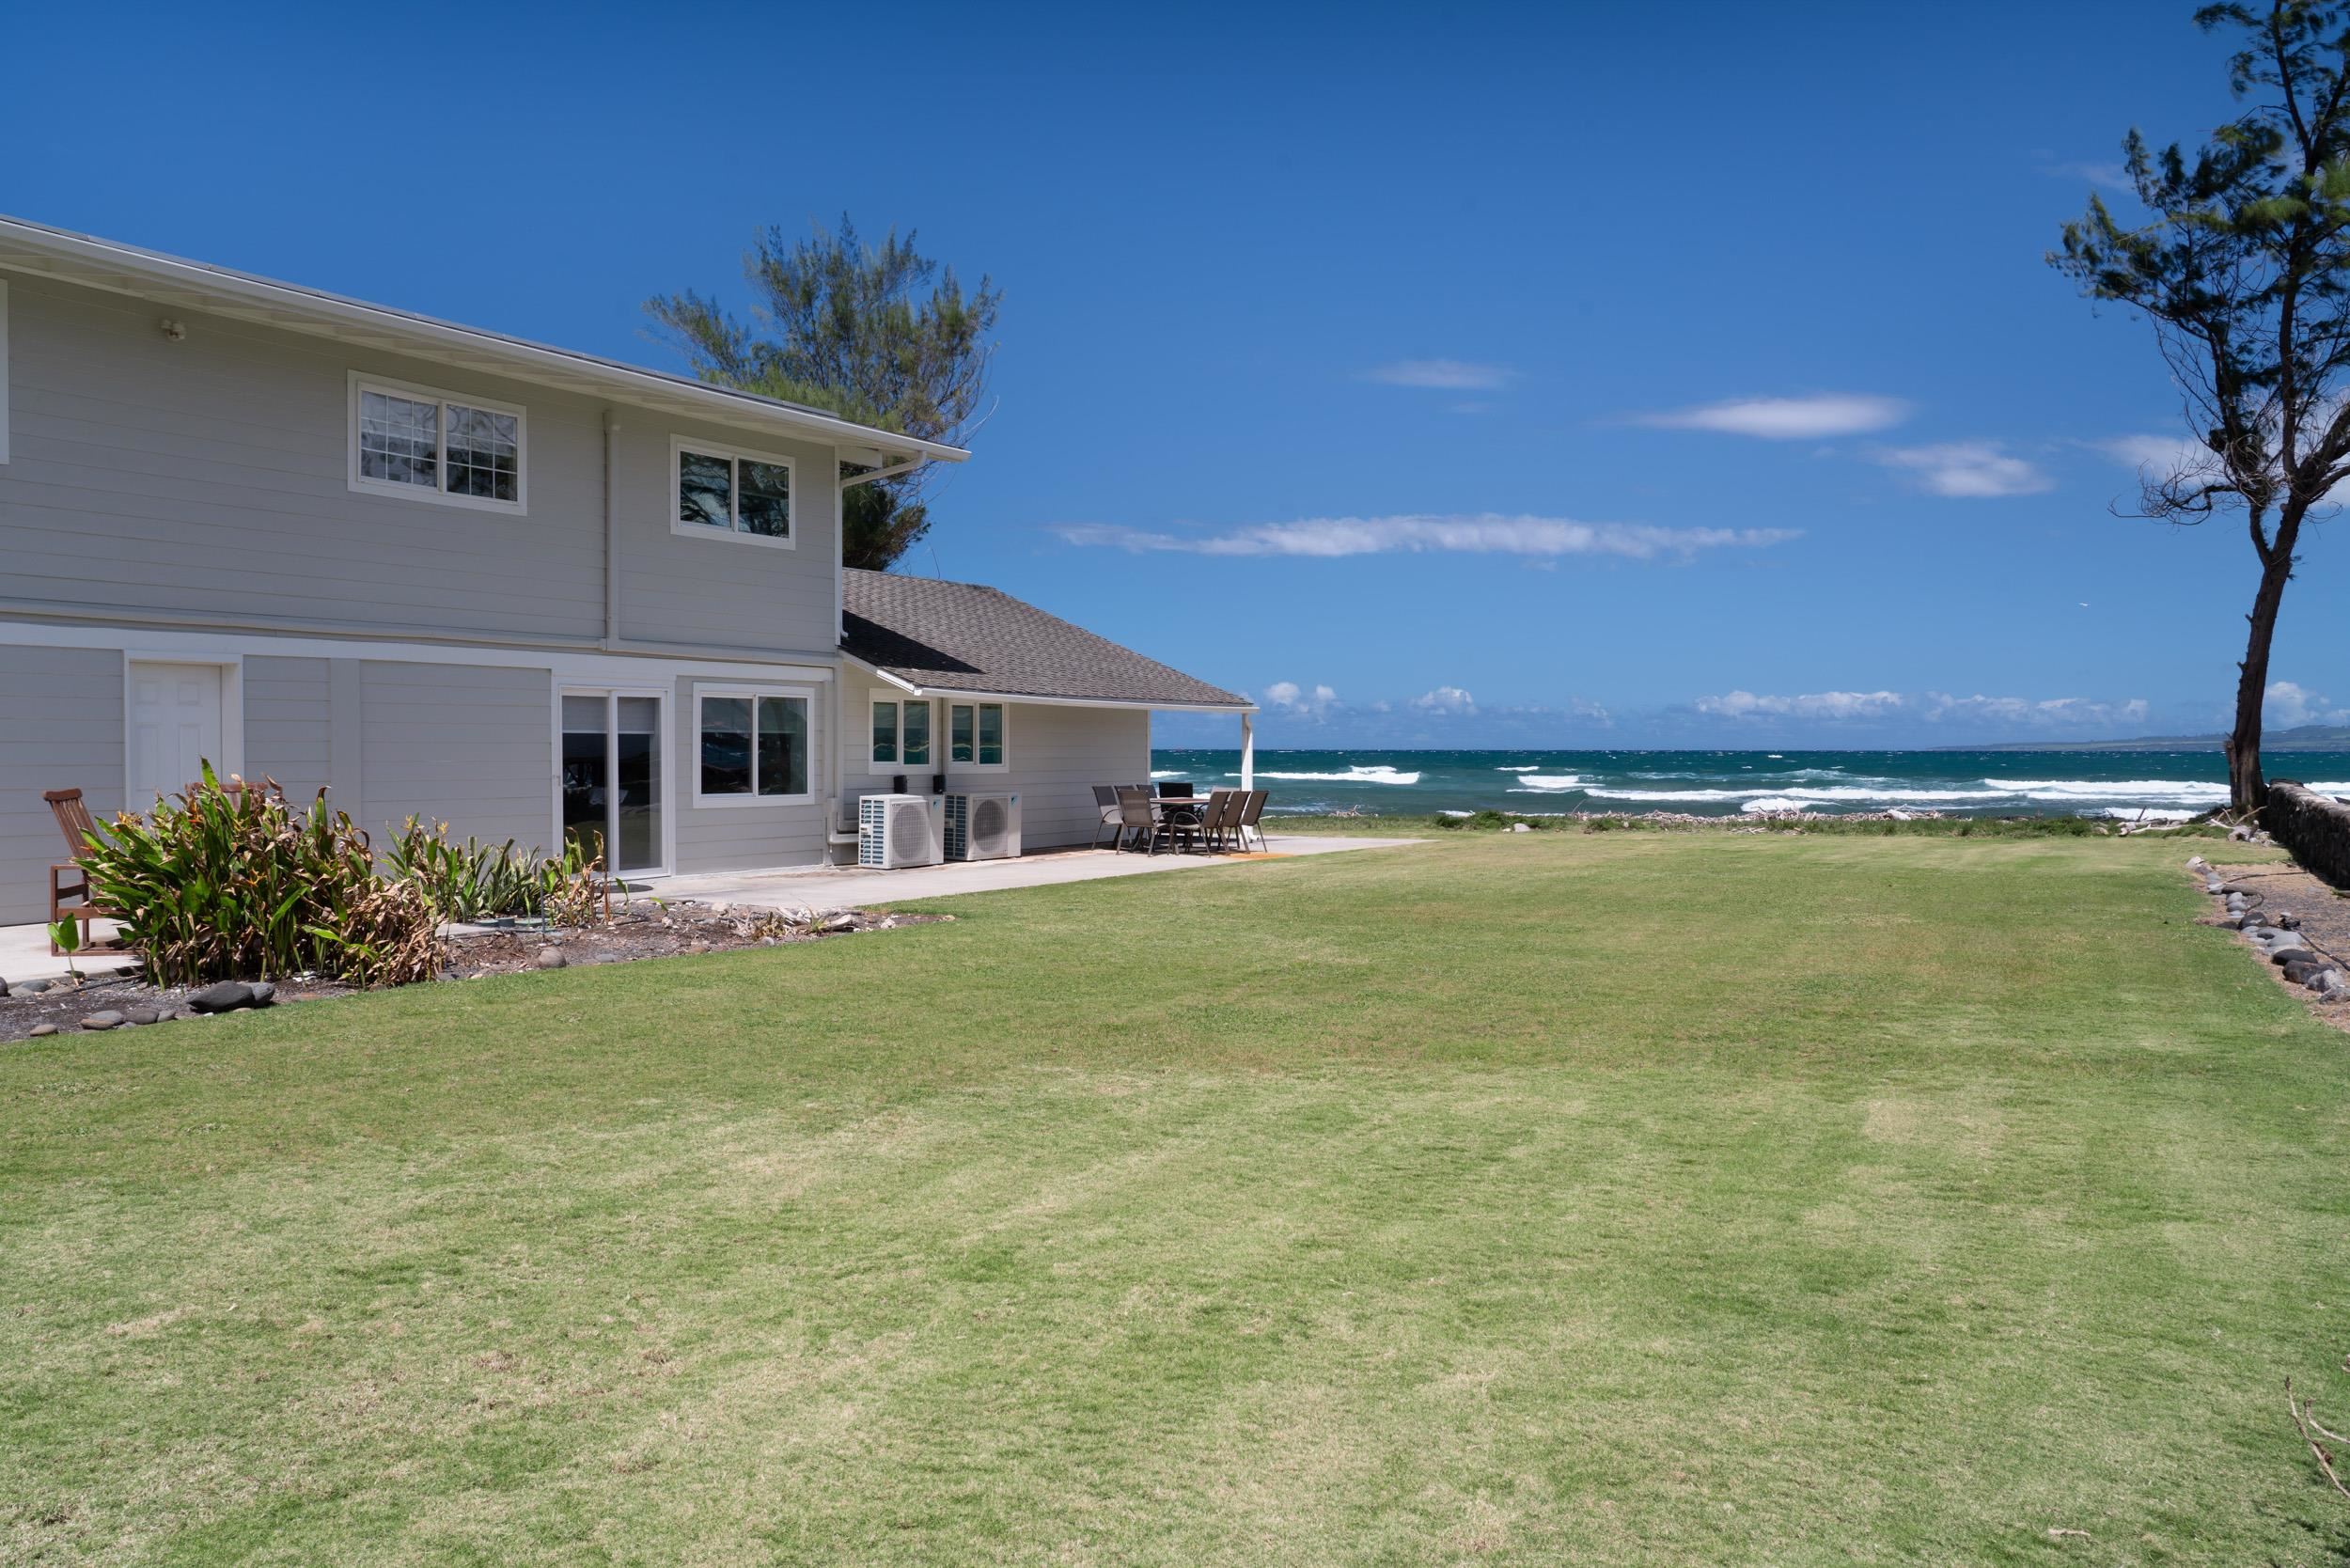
[468, 744]
[212, 475]
[712, 588]
[286, 725]
[60, 728]
[1057, 754]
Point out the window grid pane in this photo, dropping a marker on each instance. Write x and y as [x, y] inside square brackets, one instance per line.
[885, 732]
[782, 746]
[484, 453]
[959, 746]
[400, 440]
[918, 746]
[991, 733]
[766, 509]
[705, 488]
[726, 748]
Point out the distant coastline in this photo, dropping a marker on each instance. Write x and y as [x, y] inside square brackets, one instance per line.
[2308, 737]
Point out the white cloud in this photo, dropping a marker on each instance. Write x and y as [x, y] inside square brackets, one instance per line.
[2285, 705]
[1827, 705]
[1787, 418]
[1445, 699]
[1455, 375]
[2112, 176]
[1288, 696]
[1972, 470]
[1487, 533]
[1931, 706]
[2161, 454]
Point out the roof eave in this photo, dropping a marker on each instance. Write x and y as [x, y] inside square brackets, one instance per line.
[149, 274]
[913, 688]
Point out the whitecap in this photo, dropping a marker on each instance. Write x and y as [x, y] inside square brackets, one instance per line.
[1538, 783]
[1376, 773]
[1167, 773]
[1522, 767]
[2151, 813]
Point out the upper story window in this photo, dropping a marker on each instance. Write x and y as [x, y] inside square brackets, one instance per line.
[432, 445]
[974, 735]
[901, 733]
[746, 496]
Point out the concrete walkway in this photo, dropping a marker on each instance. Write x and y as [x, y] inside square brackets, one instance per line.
[847, 888]
[25, 950]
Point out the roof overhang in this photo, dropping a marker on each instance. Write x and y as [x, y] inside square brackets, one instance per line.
[961, 695]
[169, 280]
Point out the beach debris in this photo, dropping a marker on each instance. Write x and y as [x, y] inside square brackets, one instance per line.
[552, 958]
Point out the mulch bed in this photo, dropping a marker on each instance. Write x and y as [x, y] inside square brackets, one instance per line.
[111, 984]
[2277, 890]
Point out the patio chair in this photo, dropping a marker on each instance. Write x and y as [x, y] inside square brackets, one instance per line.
[67, 879]
[1221, 817]
[1139, 825]
[1253, 809]
[1105, 807]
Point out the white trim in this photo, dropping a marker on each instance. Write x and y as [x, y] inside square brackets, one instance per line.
[666, 755]
[230, 762]
[584, 668]
[3, 369]
[804, 694]
[904, 702]
[109, 264]
[949, 764]
[681, 444]
[360, 381]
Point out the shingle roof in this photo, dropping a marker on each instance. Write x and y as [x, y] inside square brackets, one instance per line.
[960, 636]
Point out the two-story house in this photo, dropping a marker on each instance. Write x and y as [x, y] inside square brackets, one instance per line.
[443, 573]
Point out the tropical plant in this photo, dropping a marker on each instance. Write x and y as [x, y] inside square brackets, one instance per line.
[473, 881]
[2243, 268]
[881, 335]
[225, 882]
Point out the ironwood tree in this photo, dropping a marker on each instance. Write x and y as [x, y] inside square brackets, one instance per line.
[879, 333]
[2242, 265]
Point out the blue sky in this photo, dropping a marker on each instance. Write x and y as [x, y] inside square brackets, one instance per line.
[1590, 375]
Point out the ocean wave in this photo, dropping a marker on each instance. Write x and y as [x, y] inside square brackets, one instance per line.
[1544, 783]
[1820, 796]
[1170, 772]
[2180, 791]
[1522, 767]
[2151, 813]
[1376, 773]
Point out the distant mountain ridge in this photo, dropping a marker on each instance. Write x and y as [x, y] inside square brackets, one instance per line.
[2307, 737]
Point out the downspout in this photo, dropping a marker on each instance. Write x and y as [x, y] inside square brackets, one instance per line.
[611, 529]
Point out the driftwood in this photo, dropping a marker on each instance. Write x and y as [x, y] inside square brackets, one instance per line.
[2304, 1412]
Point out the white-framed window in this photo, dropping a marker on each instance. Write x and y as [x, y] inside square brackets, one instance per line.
[979, 735]
[4, 370]
[900, 733]
[723, 492]
[752, 745]
[427, 445]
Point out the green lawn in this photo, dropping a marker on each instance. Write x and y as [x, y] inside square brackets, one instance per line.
[1534, 1199]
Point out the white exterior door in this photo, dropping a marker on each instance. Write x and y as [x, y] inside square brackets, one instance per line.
[175, 729]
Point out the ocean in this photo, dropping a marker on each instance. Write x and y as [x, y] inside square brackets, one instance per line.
[2124, 784]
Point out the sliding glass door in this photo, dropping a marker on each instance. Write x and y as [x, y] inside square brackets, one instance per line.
[612, 789]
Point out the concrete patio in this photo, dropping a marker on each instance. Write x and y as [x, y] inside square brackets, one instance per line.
[25, 950]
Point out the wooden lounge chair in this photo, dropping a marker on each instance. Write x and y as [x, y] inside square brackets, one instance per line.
[67, 879]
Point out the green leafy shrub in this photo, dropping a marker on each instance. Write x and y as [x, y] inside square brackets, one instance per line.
[229, 881]
[473, 881]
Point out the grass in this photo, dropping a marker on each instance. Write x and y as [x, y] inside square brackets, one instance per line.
[1514, 1199]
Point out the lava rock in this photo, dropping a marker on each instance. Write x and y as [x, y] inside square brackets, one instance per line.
[4, 987]
[222, 996]
[41, 1032]
[264, 993]
[696, 946]
[141, 1015]
[552, 958]
[105, 1020]
[2288, 920]
[32, 988]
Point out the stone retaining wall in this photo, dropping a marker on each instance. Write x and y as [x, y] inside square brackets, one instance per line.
[2315, 827]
